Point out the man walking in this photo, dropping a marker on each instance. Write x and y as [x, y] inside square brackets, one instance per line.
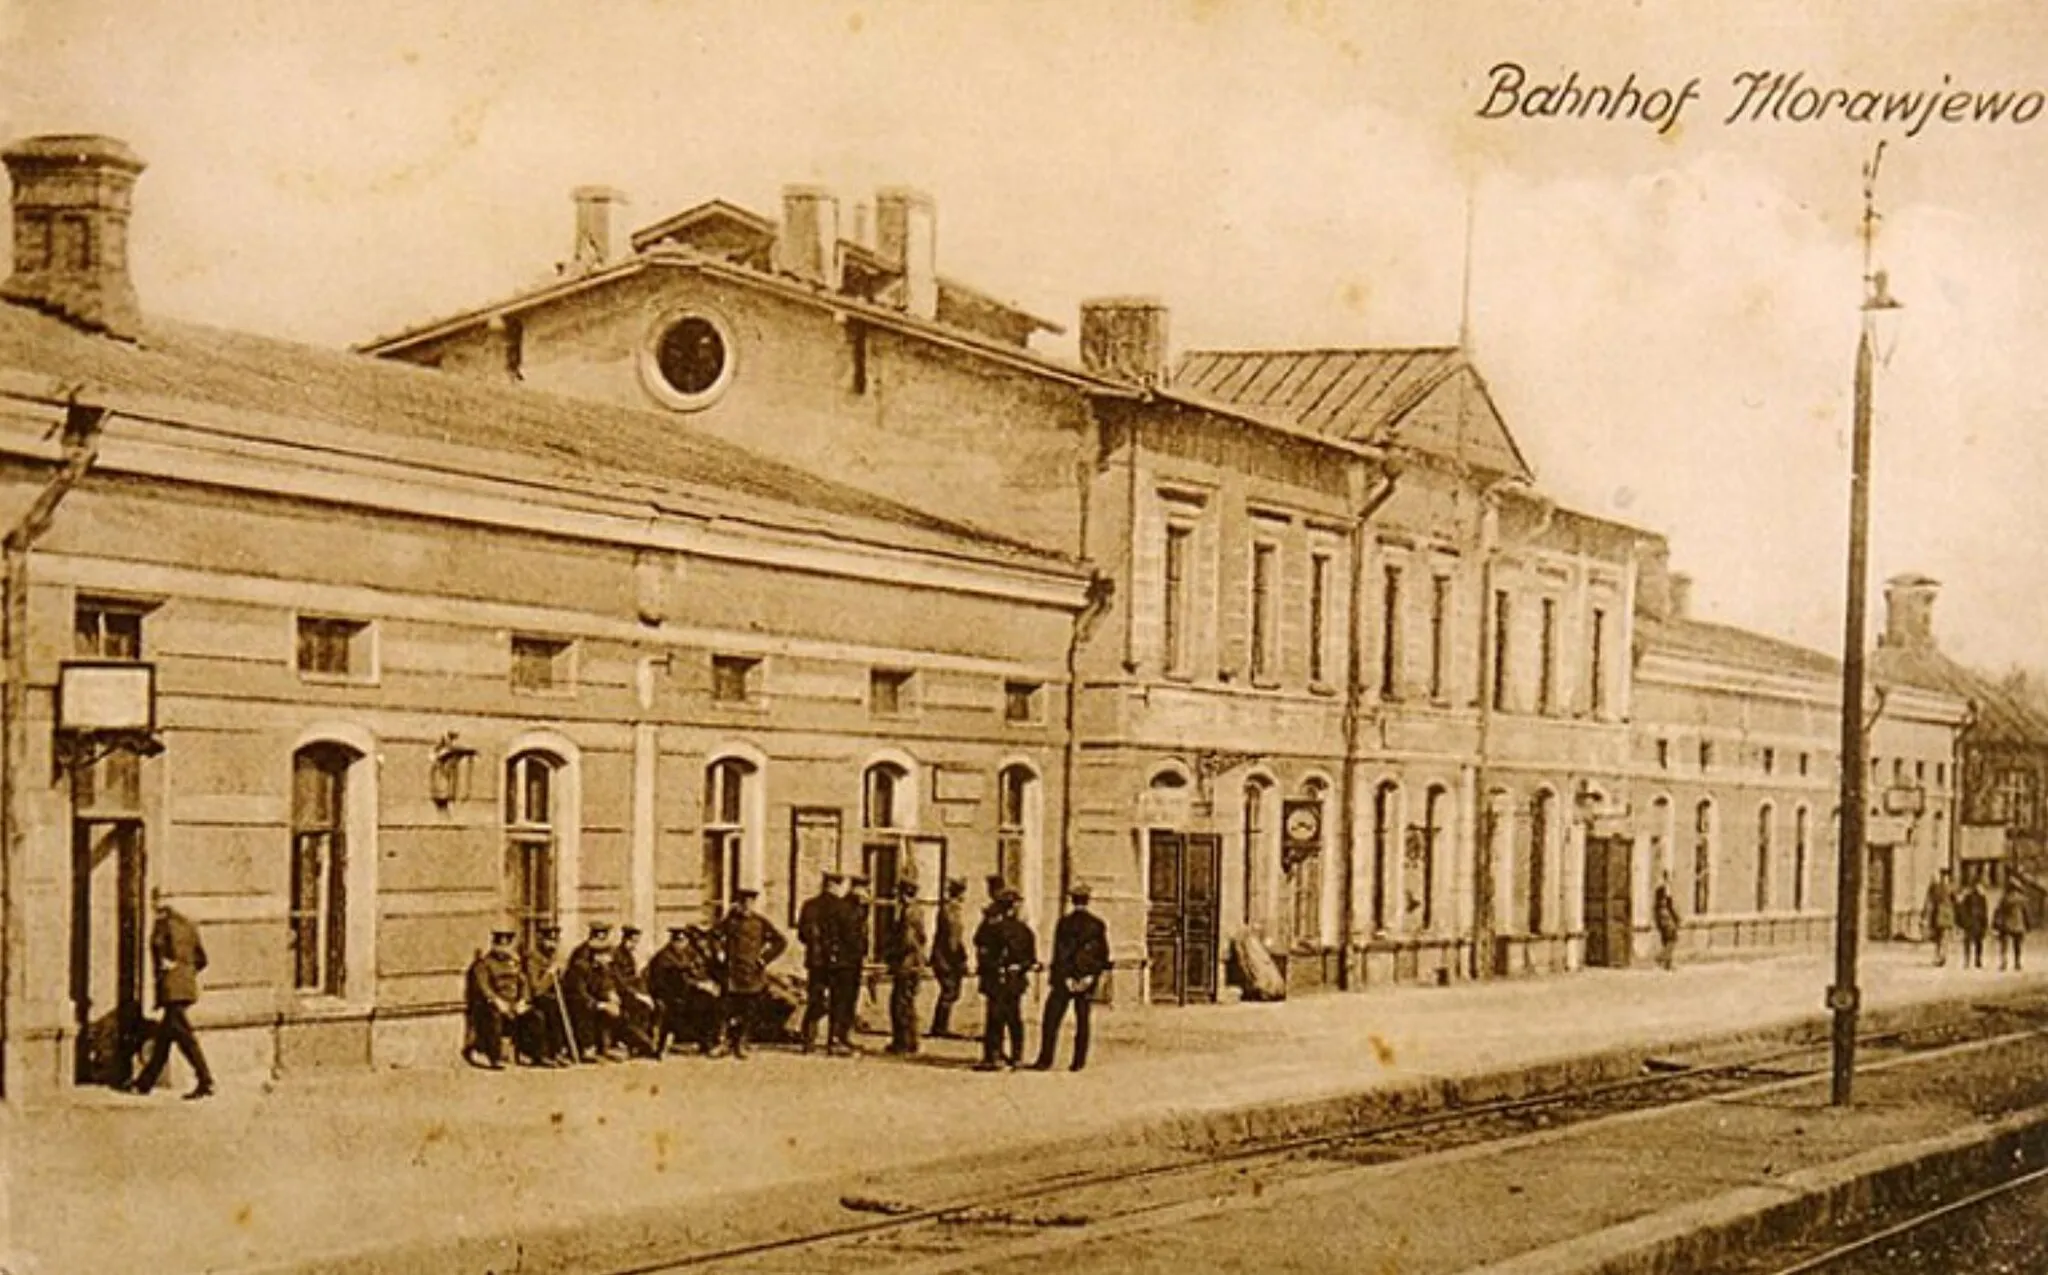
[751, 943]
[1005, 950]
[819, 929]
[1080, 954]
[1973, 918]
[1941, 914]
[180, 957]
[904, 953]
[2010, 920]
[496, 997]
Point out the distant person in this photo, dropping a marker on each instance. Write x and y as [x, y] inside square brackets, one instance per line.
[751, 943]
[821, 929]
[495, 996]
[2010, 920]
[1973, 918]
[1665, 913]
[949, 957]
[1941, 913]
[1080, 955]
[1005, 950]
[903, 952]
[180, 956]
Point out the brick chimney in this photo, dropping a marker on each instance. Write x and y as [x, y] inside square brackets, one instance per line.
[71, 201]
[1909, 612]
[594, 216]
[907, 237]
[807, 245]
[1125, 337]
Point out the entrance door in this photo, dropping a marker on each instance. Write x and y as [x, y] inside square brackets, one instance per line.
[1610, 902]
[1877, 894]
[1182, 923]
[107, 948]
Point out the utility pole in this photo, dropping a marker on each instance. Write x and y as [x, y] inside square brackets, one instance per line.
[1844, 996]
[80, 438]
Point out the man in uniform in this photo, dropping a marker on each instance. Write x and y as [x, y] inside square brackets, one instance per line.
[495, 994]
[593, 993]
[847, 981]
[1005, 950]
[175, 946]
[819, 929]
[542, 1032]
[751, 943]
[949, 957]
[1941, 914]
[683, 980]
[904, 954]
[1973, 918]
[636, 1003]
[1080, 954]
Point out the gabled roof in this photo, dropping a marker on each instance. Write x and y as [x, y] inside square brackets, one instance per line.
[1739, 648]
[2002, 716]
[427, 417]
[1365, 396]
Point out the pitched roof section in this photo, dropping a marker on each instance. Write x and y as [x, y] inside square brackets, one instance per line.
[1738, 648]
[422, 416]
[2002, 716]
[1428, 399]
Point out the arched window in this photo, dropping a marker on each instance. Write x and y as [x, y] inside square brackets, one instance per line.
[1800, 852]
[1702, 857]
[886, 814]
[1660, 840]
[319, 894]
[728, 784]
[1386, 801]
[1418, 864]
[1017, 821]
[1303, 859]
[1534, 868]
[1766, 816]
[1257, 828]
[532, 841]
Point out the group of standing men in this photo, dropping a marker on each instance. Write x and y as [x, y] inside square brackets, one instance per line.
[1972, 914]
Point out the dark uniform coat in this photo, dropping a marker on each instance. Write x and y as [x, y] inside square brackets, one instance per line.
[949, 942]
[180, 956]
[751, 943]
[1006, 950]
[1080, 951]
[904, 950]
[497, 982]
[821, 927]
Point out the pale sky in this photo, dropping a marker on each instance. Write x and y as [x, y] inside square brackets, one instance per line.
[1667, 319]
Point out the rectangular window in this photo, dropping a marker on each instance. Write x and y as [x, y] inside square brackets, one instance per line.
[1173, 602]
[1265, 573]
[1663, 754]
[1546, 651]
[540, 664]
[1319, 619]
[1706, 755]
[889, 692]
[1439, 634]
[1596, 673]
[332, 647]
[1023, 702]
[107, 629]
[1502, 622]
[735, 679]
[1805, 762]
[1390, 635]
[1770, 761]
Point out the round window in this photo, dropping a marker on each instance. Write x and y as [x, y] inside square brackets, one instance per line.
[689, 360]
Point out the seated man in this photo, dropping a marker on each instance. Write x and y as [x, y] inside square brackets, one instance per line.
[683, 979]
[495, 997]
[541, 1034]
[593, 994]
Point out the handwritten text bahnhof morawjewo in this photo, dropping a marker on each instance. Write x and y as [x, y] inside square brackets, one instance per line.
[1759, 97]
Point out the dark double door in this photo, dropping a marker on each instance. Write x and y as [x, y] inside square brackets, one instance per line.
[108, 947]
[1610, 902]
[1877, 893]
[1183, 919]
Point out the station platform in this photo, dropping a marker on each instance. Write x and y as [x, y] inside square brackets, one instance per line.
[457, 1169]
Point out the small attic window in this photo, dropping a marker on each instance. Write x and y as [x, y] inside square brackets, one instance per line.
[688, 359]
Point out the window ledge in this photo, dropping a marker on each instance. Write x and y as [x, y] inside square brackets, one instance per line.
[1321, 688]
[337, 679]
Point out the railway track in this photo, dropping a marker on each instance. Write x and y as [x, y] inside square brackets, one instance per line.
[1854, 1253]
[956, 1233]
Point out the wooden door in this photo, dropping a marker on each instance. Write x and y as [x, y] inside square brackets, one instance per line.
[1183, 917]
[108, 948]
[1877, 894]
[1610, 902]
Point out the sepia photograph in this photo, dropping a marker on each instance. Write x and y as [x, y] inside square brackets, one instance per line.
[1387, 636]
